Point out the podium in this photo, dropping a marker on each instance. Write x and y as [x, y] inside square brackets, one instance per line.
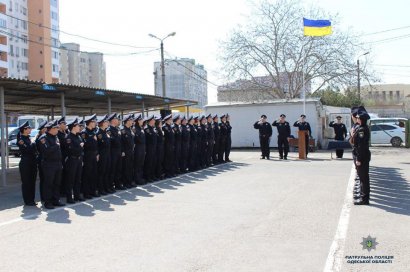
[302, 144]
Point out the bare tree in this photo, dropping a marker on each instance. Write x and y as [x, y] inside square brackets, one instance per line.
[272, 44]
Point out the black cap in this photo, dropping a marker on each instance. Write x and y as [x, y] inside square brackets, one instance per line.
[209, 116]
[82, 123]
[166, 118]
[52, 124]
[149, 118]
[176, 117]
[354, 110]
[196, 117]
[190, 118]
[138, 117]
[91, 118]
[158, 118]
[227, 115]
[61, 120]
[183, 118]
[112, 116]
[127, 117]
[73, 123]
[363, 115]
[263, 116]
[215, 116]
[223, 116]
[102, 119]
[42, 125]
[303, 116]
[282, 115]
[338, 117]
[202, 117]
[24, 125]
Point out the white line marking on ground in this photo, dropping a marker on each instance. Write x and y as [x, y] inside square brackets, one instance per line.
[43, 212]
[335, 257]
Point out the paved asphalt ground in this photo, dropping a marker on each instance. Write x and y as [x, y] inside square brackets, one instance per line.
[249, 215]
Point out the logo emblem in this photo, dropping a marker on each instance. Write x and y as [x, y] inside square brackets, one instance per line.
[369, 243]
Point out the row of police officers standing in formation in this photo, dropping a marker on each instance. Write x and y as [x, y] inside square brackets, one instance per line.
[97, 156]
[284, 134]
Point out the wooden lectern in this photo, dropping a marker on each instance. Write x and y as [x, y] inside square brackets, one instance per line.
[302, 144]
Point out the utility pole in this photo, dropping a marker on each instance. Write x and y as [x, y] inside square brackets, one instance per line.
[358, 74]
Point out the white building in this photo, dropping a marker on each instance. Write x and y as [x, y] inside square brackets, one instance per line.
[244, 115]
[184, 79]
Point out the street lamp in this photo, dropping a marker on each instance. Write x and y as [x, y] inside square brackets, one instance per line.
[358, 73]
[162, 59]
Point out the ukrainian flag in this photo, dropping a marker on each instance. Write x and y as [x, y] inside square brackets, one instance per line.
[316, 27]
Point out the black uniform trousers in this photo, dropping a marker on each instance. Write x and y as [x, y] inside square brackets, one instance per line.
[222, 148]
[228, 148]
[90, 175]
[192, 157]
[210, 151]
[363, 172]
[103, 165]
[127, 168]
[339, 152]
[307, 144]
[159, 163]
[73, 167]
[52, 181]
[184, 157]
[169, 162]
[264, 142]
[28, 174]
[116, 167]
[41, 178]
[283, 146]
[139, 158]
[216, 149]
[149, 164]
[203, 154]
[177, 157]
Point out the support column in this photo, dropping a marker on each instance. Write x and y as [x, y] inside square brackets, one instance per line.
[3, 142]
[52, 112]
[109, 105]
[187, 111]
[143, 109]
[63, 113]
[7, 142]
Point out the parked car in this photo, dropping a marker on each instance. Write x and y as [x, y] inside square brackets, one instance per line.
[387, 134]
[13, 147]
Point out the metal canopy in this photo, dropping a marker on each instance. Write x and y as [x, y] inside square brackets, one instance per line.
[33, 97]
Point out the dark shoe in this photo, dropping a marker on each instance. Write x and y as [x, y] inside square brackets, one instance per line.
[120, 187]
[103, 193]
[48, 206]
[228, 160]
[88, 197]
[70, 201]
[285, 158]
[30, 204]
[361, 202]
[95, 194]
[356, 197]
[263, 157]
[79, 199]
[268, 158]
[280, 158]
[58, 204]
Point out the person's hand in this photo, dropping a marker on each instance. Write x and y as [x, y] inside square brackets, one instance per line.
[123, 154]
[358, 163]
[82, 144]
[98, 158]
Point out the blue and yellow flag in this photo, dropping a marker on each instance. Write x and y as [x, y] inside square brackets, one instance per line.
[316, 28]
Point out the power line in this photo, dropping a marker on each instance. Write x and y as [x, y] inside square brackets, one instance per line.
[384, 31]
[392, 65]
[80, 36]
[387, 39]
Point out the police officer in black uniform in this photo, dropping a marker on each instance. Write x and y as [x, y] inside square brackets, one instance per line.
[186, 138]
[192, 153]
[127, 149]
[283, 128]
[150, 148]
[62, 133]
[340, 133]
[178, 142]
[74, 162]
[169, 147]
[301, 124]
[41, 131]
[215, 150]
[228, 139]
[51, 164]
[139, 150]
[159, 154]
[265, 132]
[28, 164]
[204, 142]
[223, 138]
[116, 159]
[90, 169]
[211, 140]
[362, 153]
[355, 126]
[104, 160]
[198, 128]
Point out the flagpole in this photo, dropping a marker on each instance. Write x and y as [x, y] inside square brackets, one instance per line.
[303, 75]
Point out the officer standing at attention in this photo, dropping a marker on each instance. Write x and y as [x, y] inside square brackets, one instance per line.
[355, 126]
[169, 147]
[265, 132]
[91, 157]
[283, 128]
[361, 150]
[186, 138]
[228, 138]
[41, 131]
[104, 161]
[204, 142]
[62, 133]
[127, 149]
[192, 153]
[301, 124]
[215, 126]
[139, 151]
[51, 164]
[178, 142]
[211, 140]
[28, 164]
[150, 149]
[197, 125]
[340, 133]
[223, 138]
[159, 154]
[74, 162]
[116, 158]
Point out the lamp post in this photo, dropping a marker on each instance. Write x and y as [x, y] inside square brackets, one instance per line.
[162, 59]
[358, 73]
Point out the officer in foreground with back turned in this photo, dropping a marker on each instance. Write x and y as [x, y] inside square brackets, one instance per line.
[265, 132]
[340, 133]
[28, 164]
[51, 164]
[283, 134]
[302, 124]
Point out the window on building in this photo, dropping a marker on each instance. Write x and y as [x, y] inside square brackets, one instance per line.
[391, 95]
[24, 25]
[3, 23]
[41, 65]
[55, 54]
[23, 10]
[54, 15]
[82, 60]
[376, 94]
[54, 3]
[55, 68]
[54, 28]
[24, 38]
[24, 52]
[11, 50]
[384, 95]
[24, 66]
[54, 42]
[398, 95]
[12, 64]
[17, 51]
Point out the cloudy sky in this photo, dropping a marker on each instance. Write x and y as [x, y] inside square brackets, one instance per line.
[199, 25]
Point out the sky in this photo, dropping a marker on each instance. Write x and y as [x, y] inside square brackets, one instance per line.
[200, 25]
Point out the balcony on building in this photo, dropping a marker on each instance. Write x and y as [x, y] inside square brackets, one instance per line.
[3, 6]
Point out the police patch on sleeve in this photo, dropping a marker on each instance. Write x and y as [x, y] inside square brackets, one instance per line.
[68, 141]
[21, 142]
[361, 134]
[83, 135]
[123, 131]
[100, 136]
[43, 141]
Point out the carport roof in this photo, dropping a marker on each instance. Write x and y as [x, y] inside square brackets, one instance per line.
[35, 97]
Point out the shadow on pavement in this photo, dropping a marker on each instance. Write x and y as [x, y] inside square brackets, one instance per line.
[389, 190]
[122, 197]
